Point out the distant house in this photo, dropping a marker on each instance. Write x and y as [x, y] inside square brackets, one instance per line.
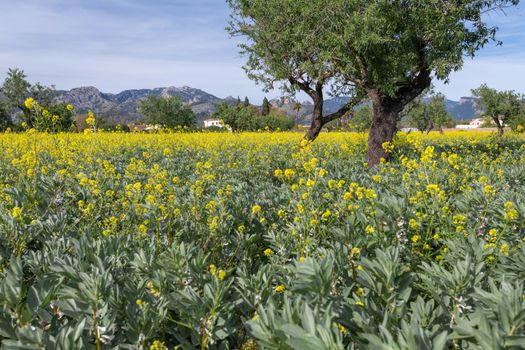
[473, 124]
[208, 123]
[409, 130]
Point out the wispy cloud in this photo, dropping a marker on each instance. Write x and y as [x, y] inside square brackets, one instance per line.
[122, 44]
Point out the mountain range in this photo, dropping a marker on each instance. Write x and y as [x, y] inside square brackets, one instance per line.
[124, 106]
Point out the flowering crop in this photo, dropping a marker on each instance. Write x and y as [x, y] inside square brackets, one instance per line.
[258, 239]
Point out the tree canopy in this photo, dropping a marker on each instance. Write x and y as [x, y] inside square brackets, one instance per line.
[500, 106]
[168, 111]
[428, 115]
[386, 50]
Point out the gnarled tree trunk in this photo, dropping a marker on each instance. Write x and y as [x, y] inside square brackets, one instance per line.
[384, 127]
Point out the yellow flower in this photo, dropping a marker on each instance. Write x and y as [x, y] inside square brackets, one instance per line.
[256, 209]
[213, 269]
[268, 252]
[322, 172]
[289, 173]
[29, 103]
[16, 212]
[412, 223]
[415, 238]
[302, 259]
[221, 274]
[369, 230]
[158, 345]
[278, 173]
[90, 120]
[70, 107]
[280, 288]
[140, 302]
[489, 190]
[504, 249]
[376, 178]
[342, 329]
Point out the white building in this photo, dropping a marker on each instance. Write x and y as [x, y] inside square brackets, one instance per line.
[474, 124]
[208, 123]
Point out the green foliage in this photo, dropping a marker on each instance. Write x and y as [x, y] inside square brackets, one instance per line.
[265, 110]
[247, 118]
[167, 111]
[361, 120]
[500, 106]
[428, 116]
[17, 89]
[5, 117]
[118, 241]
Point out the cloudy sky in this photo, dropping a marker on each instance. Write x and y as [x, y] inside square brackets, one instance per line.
[124, 44]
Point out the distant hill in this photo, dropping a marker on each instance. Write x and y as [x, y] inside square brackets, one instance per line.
[124, 106]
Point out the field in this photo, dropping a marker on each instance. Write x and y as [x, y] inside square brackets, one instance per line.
[259, 240]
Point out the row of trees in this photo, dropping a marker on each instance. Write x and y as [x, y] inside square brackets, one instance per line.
[425, 114]
[245, 117]
[386, 51]
[32, 105]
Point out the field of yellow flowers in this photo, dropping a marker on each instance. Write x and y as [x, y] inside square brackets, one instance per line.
[261, 241]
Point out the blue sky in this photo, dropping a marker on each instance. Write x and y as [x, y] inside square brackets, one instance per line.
[124, 44]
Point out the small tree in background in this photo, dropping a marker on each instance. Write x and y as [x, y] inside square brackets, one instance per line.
[5, 117]
[246, 101]
[167, 111]
[500, 106]
[362, 119]
[297, 106]
[426, 116]
[17, 90]
[265, 110]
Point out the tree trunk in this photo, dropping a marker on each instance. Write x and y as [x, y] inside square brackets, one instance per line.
[317, 121]
[499, 125]
[384, 127]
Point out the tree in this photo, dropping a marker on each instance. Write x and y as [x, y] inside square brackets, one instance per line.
[246, 101]
[386, 50]
[167, 111]
[362, 119]
[5, 118]
[426, 116]
[265, 110]
[17, 89]
[500, 106]
[297, 106]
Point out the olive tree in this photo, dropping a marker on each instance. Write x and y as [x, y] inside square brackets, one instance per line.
[500, 106]
[428, 115]
[168, 111]
[388, 51]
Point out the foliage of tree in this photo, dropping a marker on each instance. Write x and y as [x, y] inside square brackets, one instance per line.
[500, 106]
[246, 101]
[362, 119]
[265, 109]
[5, 117]
[167, 111]
[427, 116]
[17, 90]
[246, 118]
[386, 50]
